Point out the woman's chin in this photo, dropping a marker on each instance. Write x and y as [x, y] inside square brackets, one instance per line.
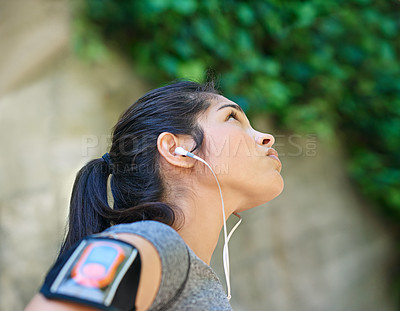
[264, 198]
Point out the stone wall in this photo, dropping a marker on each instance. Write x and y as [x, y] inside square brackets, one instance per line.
[56, 112]
[316, 247]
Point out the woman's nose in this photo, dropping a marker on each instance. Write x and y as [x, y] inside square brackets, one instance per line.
[265, 139]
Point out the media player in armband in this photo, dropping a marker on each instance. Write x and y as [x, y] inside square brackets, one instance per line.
[99, 271]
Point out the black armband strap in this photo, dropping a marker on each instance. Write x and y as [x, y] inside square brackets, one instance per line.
[99, 271]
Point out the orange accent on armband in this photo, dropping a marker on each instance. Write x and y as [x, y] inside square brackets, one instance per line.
[98, 264]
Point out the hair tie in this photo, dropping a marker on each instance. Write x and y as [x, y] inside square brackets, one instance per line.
[106, 158]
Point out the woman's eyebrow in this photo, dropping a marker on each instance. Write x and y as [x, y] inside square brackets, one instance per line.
[237, 107]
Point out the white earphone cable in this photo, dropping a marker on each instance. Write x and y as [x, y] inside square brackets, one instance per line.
[225, 252]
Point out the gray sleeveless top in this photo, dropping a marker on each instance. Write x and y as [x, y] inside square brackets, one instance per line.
[187, 282]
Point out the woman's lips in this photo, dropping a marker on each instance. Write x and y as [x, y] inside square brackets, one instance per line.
[277, 159]
[272, 153]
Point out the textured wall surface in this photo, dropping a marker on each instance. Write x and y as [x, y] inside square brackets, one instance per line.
[56, 113]
[316, 247]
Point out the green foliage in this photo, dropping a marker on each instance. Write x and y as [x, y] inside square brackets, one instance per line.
[325, 66]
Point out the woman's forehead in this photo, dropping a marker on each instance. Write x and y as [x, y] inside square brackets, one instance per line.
[219, 102]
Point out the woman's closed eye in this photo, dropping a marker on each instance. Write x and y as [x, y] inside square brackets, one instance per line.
[232, 114]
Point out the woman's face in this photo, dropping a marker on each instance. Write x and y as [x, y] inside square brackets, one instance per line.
[240, 156]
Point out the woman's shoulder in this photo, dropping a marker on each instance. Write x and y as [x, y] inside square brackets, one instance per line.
[172, 251]
[164, 238]
[165, 264]
[147, 228]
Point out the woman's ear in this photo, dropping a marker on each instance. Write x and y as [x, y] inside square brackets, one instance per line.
[166, 145]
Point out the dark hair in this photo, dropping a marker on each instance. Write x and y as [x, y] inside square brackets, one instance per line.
[136, 182]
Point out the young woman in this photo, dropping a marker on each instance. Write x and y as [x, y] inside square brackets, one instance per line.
[165, 205]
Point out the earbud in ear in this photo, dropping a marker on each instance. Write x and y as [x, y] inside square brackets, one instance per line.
[181, 151]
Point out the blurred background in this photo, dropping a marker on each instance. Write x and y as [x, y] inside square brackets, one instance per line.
[322, 76]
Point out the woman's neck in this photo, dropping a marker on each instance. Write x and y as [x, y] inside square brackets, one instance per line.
[203, 222]
[201, 236]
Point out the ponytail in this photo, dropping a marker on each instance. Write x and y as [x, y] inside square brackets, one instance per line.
[89, 207]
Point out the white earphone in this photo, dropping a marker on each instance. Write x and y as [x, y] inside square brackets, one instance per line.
[225, 253]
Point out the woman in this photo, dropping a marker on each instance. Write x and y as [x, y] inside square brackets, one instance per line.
[165, 205]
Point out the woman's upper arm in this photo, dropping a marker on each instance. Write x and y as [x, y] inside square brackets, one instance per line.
[39, 302]
[150, 276]
[149, 283]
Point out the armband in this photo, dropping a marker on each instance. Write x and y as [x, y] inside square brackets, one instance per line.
[99, 271]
